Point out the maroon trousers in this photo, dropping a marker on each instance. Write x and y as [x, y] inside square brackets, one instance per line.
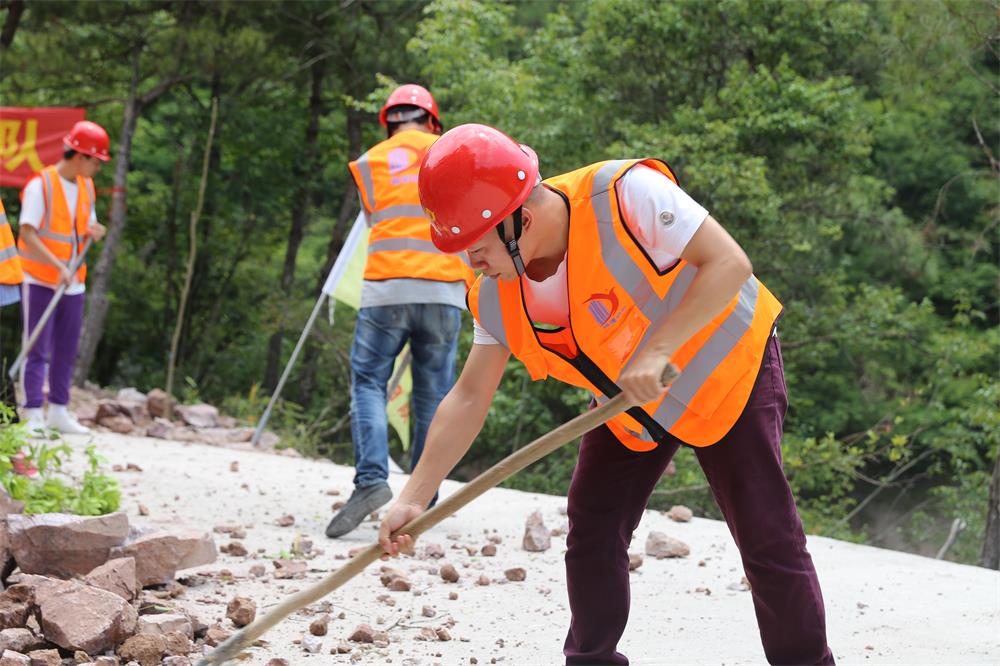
[608, 495]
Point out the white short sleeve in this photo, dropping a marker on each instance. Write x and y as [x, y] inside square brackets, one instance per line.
[661, 215]
[481, 337]
[33, 204]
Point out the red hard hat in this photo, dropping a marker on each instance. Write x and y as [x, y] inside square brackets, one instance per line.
[412, 95]
[472, 178]
[89, 139]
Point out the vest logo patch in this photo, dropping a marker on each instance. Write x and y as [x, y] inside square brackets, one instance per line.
[604, 308]
[402, 159]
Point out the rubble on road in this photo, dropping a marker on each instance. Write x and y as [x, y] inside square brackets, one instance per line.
[537, 537]
[660, 546]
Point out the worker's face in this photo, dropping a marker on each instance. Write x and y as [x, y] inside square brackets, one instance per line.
[490, 256]
[89, 166]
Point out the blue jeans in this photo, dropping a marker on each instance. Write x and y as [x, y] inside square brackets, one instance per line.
[379, 336]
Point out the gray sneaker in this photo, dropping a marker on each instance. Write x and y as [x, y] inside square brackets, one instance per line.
[363, 501]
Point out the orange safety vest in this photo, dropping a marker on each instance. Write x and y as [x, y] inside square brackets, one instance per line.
[10, 262]
[615, 292]
[57, 228]
[400, 245]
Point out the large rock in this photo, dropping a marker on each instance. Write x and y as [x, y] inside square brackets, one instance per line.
[198, 416]
[536, 536]
[659, 545]
[20, 639]
[11, 658]
[147, 649]
[166, 623]
[133, 410]
[80, 617]
[159, 555]
[116, 576]
[63, 545]
[158, 403]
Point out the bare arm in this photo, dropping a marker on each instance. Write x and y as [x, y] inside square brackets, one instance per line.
[723, 267]
[457, 421]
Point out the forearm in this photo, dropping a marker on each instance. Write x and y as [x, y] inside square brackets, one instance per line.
[457, 422]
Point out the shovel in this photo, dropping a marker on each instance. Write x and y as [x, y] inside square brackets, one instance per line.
[491, 478]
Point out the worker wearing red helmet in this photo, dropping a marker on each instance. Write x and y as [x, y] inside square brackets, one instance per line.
[599, 278]
[412, 292]
[57, 217]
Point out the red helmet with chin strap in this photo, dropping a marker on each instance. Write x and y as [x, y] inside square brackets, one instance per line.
[472, 178]
[409, 95]
[90, 139]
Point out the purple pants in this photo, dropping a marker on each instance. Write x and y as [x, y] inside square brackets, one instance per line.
[56, 346]
[608, 495]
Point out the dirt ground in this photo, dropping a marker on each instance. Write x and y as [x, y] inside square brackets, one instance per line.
[883, 607]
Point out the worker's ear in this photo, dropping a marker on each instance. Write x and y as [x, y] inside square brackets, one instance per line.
[527, 217]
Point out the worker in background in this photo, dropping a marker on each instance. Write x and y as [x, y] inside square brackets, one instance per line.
[11, 277]
[629, 273]
[412, 292]
[57, 218]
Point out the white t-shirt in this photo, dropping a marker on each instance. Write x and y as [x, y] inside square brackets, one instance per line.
[33, 210]
[662, 217]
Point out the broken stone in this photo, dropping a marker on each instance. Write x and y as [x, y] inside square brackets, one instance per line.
[235, 548]
[158, 403]
[516, 575]
[108, 621]
[453, 595]
[215, 635]
[45, 658]
[118, 423]
[386, 574]
[166, 623]
[159, 555]
[343, 647]
[434, 550]
[489, 550]
[176, 660]
[399, 584]
[426, 634]
[312, 644]
[177, 643]
[483, 580]
[536, 536]
[106, 661]
[289, 568]
[659, 545]
[320, 625]
[64, 545]
[116, 576]
[277, 662]
[147, 649]
[241, 611]
[16, 603]
[286, 521]
[258, 570]
[11, 658]
[198, 416]
[20, 639]
[442, 634]
[234, 466]
[363, 633]
[679, 513]
[495, 538]
[449, 574]
[634, 561]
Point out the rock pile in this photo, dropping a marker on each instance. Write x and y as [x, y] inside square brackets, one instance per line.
[75, 584]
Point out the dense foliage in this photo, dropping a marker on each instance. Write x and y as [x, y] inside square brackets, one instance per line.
[849, 146]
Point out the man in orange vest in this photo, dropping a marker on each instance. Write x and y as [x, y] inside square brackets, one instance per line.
[11, 277]
[412, 291]
[626, 273]
[57, 218]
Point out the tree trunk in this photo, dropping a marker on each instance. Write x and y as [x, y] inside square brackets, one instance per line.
[306, 173]
[990, 555]
[97, 291]
[14, 10]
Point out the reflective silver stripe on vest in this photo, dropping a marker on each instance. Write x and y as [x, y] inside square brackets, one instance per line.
[708, 358]
[53, 236]
[47, 187]
[3, 219]
[366, 178]
[8, 253]
[392, 212]
[415, 244]
[490, 315]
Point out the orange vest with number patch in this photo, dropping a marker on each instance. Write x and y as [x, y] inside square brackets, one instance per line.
[10, 262]
[615, 293]
[62, 233]
[399, 244]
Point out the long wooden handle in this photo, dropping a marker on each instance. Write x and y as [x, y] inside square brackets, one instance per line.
[492, 477]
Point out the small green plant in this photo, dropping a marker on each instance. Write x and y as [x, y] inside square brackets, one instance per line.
[51, 489]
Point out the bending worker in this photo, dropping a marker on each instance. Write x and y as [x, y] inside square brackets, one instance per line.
[411, 292]
[57, 217]
[629, 273]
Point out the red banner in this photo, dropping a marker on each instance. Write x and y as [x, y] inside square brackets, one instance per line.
[31, 139]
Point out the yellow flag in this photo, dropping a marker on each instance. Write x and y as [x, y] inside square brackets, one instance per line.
[345, 285]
